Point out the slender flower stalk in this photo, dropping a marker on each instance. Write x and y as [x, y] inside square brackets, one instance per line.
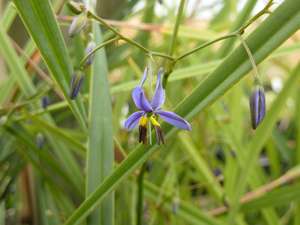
[257, 99]
[149, 112]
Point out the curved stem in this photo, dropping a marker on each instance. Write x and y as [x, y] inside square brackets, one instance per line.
[252, 60]
[97, 48]
[204, 46]
[126, 39]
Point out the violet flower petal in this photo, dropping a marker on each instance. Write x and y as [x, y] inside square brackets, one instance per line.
[133, 120]
[174, 119]
[159, 94]
[144, 78]
[140, 100]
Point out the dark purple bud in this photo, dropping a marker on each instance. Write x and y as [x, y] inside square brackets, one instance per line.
[90, 47]
[76, 84]
[45, 102]
[40, 140]
[143, 134]
[159, 135]
[217, 172]
[78, 23]
[257, 106]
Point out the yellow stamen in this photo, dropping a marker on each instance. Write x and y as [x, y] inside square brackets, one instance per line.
[143, 121]
[154, 121]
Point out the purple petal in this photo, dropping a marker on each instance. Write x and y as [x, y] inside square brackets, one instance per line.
[140, 99]
[145, 74]
[159, 94]
[133, 120]
[174, 119]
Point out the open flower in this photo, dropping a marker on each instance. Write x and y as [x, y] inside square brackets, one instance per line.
[150, 111]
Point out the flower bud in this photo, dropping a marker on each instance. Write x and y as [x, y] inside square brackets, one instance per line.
[76, 7]
[76, 84]
[257, 106]
[78, 23]
[40, 140]
[45, 102]
[90, 47]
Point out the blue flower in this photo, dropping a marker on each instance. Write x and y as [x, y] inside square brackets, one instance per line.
[150, 111]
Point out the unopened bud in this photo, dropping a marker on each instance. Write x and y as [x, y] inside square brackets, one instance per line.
[77, 25]
[76, 84]
[40, 140]
[45, 102]
[257, 106]
[76, 7]
[90, 47]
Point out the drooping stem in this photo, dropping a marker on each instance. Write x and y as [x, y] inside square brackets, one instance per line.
[140, 197]
[251, 58]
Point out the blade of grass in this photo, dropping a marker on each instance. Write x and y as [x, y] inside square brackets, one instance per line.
[240, 20]
[284, 22]
[186, 211]
[100, 154]
[28, 89]
[41, 24]
[201, 166]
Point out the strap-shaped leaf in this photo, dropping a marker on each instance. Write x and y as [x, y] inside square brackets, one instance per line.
[100, 155]
[42, 26]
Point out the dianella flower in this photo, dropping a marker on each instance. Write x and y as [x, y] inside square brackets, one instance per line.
[78, 24]
[257, 106]
[89, 48]
[150, 111]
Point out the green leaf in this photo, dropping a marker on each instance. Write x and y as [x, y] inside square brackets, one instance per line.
[266, 38]
[41, 24]
[100, 154]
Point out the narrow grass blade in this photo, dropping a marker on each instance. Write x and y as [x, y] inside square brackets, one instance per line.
[201, 166]
[100, 154]
[40, 22]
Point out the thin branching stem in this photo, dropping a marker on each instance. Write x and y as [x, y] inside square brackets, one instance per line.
[206, 44]
[103, 44]
[126, 39]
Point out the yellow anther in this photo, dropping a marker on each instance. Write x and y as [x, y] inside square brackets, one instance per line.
[143, 121]
[154, 121]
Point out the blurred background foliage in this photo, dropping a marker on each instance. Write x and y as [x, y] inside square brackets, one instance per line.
[50, 162]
